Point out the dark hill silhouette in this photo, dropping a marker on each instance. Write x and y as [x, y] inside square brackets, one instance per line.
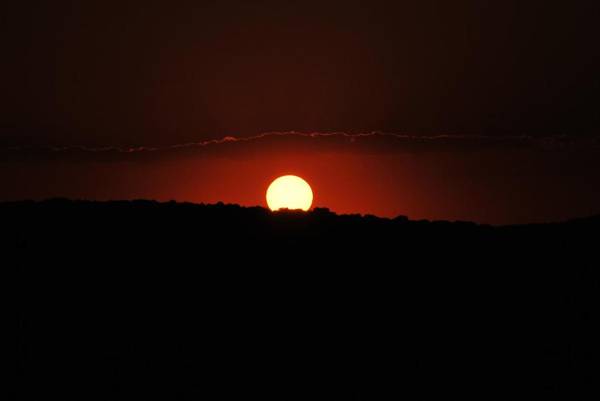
[177, 301]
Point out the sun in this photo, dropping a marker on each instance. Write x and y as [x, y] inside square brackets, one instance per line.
[289, 192]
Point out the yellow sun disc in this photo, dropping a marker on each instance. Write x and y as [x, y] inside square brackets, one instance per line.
[289, 192]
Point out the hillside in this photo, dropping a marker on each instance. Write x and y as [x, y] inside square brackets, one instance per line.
[148, 300]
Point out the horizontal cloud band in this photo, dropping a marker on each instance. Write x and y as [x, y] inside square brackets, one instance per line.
[375, 142]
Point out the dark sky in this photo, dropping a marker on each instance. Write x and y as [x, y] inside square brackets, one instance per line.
[161, 73]
[514, 84]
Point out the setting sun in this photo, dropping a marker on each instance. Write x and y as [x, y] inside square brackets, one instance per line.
[289, 192]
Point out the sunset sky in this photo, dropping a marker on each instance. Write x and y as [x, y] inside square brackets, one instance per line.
[471, 110]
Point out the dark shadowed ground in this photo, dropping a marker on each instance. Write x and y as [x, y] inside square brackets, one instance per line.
[145, 300]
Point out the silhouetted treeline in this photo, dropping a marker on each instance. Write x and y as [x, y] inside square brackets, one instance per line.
[175, 301]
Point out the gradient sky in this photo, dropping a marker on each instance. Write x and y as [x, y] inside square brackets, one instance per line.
[162, 74]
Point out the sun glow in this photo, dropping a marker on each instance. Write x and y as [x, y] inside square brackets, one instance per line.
[289, 192]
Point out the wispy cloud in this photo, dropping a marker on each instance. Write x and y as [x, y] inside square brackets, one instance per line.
[378, 142]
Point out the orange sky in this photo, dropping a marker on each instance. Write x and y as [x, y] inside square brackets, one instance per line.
[490, 184]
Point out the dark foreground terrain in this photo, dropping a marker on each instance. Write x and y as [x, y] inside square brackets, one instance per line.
[141, 300]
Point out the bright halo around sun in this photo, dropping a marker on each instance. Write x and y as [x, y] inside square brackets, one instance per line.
[289, 192]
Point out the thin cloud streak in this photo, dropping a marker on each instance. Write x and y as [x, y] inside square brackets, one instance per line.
[376, 142]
